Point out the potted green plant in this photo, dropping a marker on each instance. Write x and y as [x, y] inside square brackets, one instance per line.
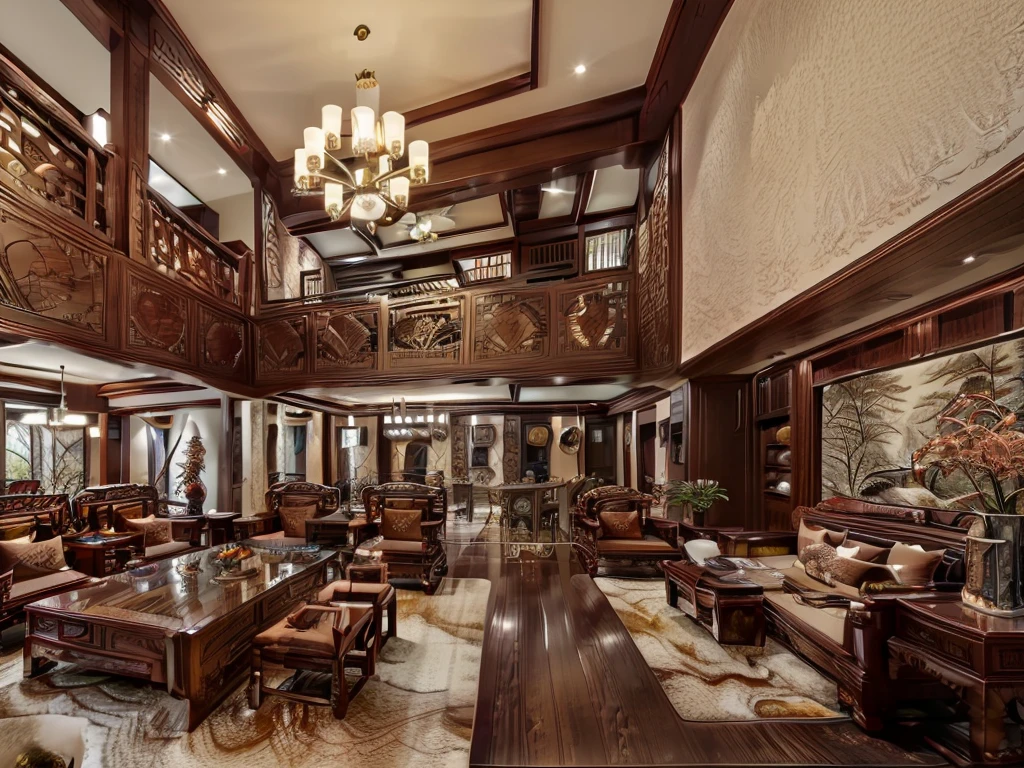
[698, 495]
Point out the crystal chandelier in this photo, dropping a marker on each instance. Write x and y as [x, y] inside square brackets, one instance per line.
[377, 192]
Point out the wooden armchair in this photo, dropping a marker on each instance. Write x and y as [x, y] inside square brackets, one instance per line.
[613, 523]
[23, 486]
[410, 518]
[47, 514]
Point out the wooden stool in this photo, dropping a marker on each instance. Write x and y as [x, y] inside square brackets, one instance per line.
[316, 638]
[381, 596]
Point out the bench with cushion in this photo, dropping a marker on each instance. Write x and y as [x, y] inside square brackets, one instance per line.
[30, 571]
[613, 523]
[44, 515]
[287, 507]
[849, 562]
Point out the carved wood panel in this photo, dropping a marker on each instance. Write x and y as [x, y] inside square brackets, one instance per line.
[49, 275]
[272, 277]
[510, 463]
[654, 276]
[594, 319]
[157, 319]
[510, 325]
[347, 339]
[221, 343]
[460, 456]
[282, 346]
[425, 333]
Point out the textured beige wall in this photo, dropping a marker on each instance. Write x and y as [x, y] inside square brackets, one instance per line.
[819, 129]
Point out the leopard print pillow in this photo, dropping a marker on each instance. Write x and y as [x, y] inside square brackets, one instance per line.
[823, 563]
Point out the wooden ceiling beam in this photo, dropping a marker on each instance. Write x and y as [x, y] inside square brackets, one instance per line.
[689, 31]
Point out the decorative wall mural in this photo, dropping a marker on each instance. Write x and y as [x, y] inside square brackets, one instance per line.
[282, 346]
[788, 172]
[285, 258]
[654, 276]
[45, 160]
[511, 464]
[346, 339]
[222, 342]
[594, 320]
[156, 319]
[425, 332]
[872, 424]
[48, 275]
[509, 324]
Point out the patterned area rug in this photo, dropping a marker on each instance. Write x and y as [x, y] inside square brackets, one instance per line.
[417, 710]
[707, 681]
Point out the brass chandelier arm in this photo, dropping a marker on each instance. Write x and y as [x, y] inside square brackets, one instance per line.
[351, 179]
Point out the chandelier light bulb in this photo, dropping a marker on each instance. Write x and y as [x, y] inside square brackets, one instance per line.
[399, 188]
[313, 140]
[334, 200]
[364, 131]
[419, 155]
[394, 133]
[331, 124]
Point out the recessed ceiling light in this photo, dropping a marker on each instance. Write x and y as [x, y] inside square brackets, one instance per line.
[969, 260]
[222, 172]
[557, 191]
[165, 137]
[354, 259]
[580, 69]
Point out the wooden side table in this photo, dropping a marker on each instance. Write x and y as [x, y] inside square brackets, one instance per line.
[95, 555]
[247, 527]
[731, 611]
[981, 658]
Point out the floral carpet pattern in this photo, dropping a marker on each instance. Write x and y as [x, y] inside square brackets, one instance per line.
[707, 681]
[417, 710]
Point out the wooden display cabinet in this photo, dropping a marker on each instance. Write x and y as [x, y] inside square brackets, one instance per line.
[773, 390]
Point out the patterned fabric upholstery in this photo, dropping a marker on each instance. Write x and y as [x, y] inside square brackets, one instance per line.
[47, 555]
[157, 531]
[294, 517]
[620, 524]
[401, 524]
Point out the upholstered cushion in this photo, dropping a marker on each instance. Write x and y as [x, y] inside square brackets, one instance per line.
[912, 564]
[166, 549]
[401, 524]
[814, 534]
[47, 554]
[294, 517]
[823, 562]
[649, 545]
[778, 561]
[21, 533]
[309, 630]
[799, 577]
[828, 621]
[356, 592]
[157, 531]
[620, 525]
[40, 584]
[868, 552]
[399, 546]
[700, 550]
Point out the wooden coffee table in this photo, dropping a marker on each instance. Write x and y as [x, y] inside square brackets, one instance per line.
[146, 623]
[94, 552]
[730, 610]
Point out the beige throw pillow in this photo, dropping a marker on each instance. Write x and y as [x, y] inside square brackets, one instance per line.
[815, 534]
[913, 564]
[45, 555]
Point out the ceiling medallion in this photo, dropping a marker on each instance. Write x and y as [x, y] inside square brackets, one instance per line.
[374, 192]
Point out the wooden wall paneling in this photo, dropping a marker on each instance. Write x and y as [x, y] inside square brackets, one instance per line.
[347, 338]
[426, 333]
[224, 458]
[512, 458]
[627, 449]
[159, 320]
[222, 345]
[806, 436]
[654, 274]
[594, 317]
[282, 346]
[509, 325]
[981, 319]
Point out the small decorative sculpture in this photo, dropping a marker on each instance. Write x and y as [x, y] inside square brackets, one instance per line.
[190, 479]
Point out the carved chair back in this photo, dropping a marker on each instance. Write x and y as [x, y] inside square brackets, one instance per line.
[614, 498]
[883, 525]
[578, 486]
[23, 486]
[48, 513]
[398, 495]
[297, 501]
[102, 505]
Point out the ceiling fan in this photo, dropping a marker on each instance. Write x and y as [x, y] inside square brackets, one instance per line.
[424, 227]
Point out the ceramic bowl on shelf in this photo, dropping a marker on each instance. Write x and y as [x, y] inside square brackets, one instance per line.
[783, 487]
[784, 458]
[783, 435]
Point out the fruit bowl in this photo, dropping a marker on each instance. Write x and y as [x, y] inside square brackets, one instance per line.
[229, 559]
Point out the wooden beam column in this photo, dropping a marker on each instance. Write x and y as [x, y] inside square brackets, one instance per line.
[224, 457]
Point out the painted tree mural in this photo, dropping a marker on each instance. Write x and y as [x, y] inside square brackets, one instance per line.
[857, 428]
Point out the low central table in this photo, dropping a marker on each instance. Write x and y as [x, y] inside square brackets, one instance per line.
[730, 610]
[146, 623]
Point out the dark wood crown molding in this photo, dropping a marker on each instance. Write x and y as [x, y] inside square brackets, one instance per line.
[636, 399]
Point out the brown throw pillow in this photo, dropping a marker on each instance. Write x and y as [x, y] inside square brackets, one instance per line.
[869, 553]
[156, 531]
[815, 534]
[294, 517]
[401, 524]
[620, 525]
[46, 555]
[912, 565]
[822, 563]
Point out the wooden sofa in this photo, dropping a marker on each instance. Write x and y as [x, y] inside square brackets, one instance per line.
[45, 514]
[848, 641]
[653, 541]
[287, 506]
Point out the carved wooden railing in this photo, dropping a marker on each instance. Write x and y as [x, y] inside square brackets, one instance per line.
[46, 153]
[181, 248]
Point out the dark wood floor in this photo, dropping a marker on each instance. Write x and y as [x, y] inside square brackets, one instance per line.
[562, 683]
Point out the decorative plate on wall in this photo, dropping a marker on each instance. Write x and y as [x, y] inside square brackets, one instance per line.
[538, 436]
[570, 440]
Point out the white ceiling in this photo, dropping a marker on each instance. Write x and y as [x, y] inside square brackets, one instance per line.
[281, 64]
[191, 155]
[52, 42]
[557, 198]
[43, 361]
[460, 393]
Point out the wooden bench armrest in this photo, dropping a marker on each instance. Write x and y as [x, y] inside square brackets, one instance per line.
[757, 543]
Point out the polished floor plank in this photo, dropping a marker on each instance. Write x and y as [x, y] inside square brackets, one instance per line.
[563, 684]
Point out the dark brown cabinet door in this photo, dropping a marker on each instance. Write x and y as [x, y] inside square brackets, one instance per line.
[721, 440]
[599, 451]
